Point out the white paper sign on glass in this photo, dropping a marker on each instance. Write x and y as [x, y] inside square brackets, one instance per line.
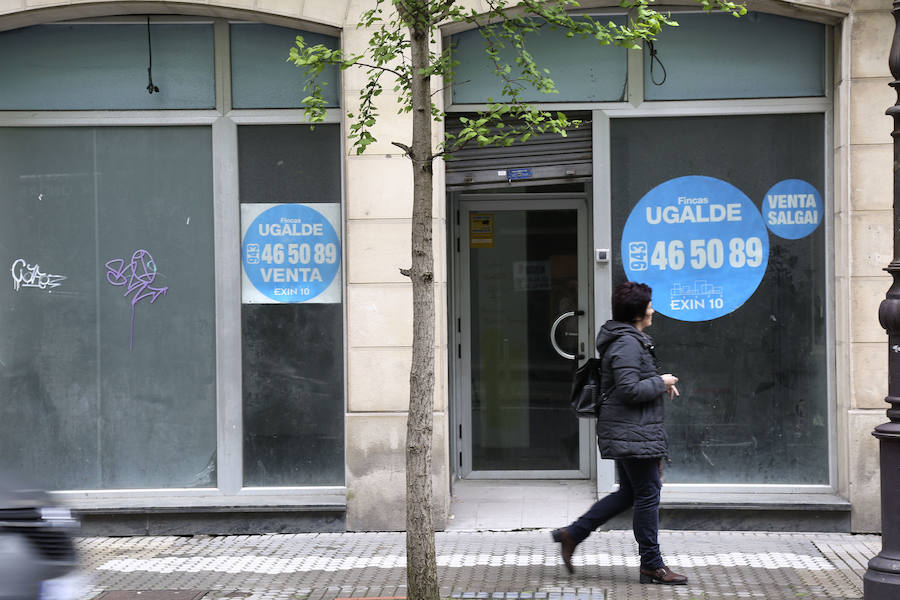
[290, 253]
[700, 243]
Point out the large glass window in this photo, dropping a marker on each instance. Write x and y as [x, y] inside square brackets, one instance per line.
[261, 77]
[107, 366]
[582, 69]
[767, 57]
[104, 66]
[746, 336]
[292, 347]
[109, 347]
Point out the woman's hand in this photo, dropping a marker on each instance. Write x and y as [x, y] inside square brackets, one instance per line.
[670, 381]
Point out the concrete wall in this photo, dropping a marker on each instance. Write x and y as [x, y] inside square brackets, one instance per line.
[864, 160]
[379, 314]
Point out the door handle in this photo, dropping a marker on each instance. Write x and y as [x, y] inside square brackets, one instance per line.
[556, 323]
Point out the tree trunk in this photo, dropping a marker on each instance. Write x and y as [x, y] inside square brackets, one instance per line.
[421, 566]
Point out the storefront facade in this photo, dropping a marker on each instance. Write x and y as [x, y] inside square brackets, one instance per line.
[165, 357]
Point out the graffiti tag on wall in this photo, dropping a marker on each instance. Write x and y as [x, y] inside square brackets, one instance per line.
[136, 277]
[30, 276]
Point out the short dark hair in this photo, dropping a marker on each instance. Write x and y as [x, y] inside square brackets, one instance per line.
[629, 301]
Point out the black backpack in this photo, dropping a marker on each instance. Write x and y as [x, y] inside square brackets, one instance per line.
[585, 397]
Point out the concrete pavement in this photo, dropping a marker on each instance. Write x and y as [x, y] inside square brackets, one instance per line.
[518, 565]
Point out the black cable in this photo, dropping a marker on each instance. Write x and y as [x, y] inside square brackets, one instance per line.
[150, 87]
[654, 57]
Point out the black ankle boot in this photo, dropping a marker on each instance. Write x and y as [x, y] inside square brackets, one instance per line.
[663, 575]
[566, 546]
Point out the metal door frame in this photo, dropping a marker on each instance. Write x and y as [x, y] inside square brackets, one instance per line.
[460, 325]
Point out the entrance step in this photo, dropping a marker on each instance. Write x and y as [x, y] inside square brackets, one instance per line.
[755, 512]
[508, 505]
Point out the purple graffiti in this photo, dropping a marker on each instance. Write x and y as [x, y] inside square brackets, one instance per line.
[136, 277]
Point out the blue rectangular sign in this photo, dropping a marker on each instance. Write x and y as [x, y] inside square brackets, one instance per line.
[513, 174]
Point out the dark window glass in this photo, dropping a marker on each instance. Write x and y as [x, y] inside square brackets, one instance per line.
[293, 353]
[754, 397]
[107, 359]
[520, 284]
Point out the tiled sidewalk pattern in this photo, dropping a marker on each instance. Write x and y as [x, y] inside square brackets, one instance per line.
[521, 565]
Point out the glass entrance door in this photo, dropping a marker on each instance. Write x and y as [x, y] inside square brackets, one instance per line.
[523, 320]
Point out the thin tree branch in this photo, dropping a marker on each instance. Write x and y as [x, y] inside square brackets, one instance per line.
[401, 76]
[406, 149]
[441, 89]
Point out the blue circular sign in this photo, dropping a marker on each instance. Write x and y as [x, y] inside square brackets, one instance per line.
[792, 209]
[700, 243]
[291, 253]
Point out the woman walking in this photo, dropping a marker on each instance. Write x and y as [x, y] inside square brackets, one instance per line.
[631, 431]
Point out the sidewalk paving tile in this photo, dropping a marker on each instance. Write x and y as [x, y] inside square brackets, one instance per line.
[509, 565]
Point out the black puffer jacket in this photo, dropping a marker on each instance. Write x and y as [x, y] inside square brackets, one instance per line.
[631, 420]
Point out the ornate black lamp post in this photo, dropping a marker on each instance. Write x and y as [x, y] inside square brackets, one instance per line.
[882, 580]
